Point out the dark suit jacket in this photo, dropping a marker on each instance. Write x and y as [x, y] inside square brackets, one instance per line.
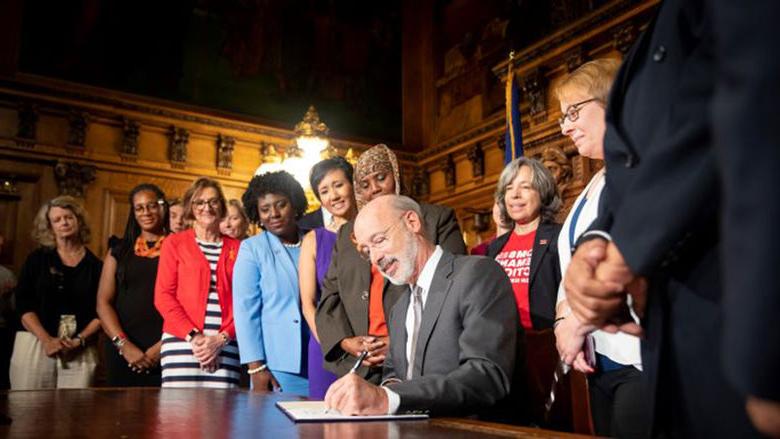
[311, 221]
[545, 272]
[661, 204]
[343, 308]
[467, 345]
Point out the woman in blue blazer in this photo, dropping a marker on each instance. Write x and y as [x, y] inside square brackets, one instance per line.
[272, 334]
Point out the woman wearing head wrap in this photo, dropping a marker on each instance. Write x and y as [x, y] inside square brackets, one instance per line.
[355, 297]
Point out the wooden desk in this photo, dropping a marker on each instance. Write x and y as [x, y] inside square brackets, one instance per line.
[203, 413]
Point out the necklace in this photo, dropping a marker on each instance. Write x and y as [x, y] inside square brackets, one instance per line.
[297, 244]
[142, 249]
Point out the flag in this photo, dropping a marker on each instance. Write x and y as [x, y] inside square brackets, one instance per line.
[514, 129]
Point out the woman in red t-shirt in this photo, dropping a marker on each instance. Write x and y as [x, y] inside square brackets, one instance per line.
[527, 197]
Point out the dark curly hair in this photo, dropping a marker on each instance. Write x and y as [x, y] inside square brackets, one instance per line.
[280, 183]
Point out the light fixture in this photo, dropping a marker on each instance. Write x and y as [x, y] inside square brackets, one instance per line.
[271, 161]
[311, 141]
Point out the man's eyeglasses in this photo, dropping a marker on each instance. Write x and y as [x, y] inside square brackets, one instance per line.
[378, 241]
[151, 207]
[201, 204]
[573, 111]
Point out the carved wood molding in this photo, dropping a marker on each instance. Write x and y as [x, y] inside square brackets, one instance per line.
[78, 123]
[177, 150]
[130, 131]
[72, 178]
[225, 146]
[477, 158]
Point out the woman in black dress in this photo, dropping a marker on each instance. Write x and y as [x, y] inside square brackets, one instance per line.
[125, 302]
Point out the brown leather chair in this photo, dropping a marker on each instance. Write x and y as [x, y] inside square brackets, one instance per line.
[571, 409]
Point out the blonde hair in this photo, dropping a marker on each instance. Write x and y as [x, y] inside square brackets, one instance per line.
[594, 79]
[42, 232]
[195, 189]
[244, 218]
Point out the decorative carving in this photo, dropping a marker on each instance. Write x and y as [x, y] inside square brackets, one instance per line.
[73, 178]
[624, 36]
[574, 58]
[420, 184]
[78, 122]
[177, 152]
[555, 160]
[130, 132]
[27, 127]
[477, 158]
[501, 142]
[448, 167]
[534, 87]
[225, 146]
[8, 188]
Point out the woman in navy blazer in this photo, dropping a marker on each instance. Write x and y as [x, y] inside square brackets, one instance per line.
[272, 334]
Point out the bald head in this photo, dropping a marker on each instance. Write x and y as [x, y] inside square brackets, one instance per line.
[390, 231]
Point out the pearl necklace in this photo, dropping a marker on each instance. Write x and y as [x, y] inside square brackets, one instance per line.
[297, 244]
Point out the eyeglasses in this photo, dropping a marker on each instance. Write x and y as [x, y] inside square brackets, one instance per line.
[201, 204]
[150, 207]
[378, 241]
[573, 111]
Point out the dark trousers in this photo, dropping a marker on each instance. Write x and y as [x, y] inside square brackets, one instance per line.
[617, 401]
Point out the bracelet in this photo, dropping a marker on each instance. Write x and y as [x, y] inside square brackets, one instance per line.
[557, 321]
[258, 369]
[119, 340]
[225, 338]
[81, 340]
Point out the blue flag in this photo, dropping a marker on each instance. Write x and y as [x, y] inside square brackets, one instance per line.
[514, 129]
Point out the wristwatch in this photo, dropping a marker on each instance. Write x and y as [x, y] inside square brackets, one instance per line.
[191, 334]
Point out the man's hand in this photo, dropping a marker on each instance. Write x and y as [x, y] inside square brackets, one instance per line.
[352, 395]
[615, 270]
[765, 415]
[592, 300]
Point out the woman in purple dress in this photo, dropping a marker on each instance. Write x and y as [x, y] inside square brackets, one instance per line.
[331, 181]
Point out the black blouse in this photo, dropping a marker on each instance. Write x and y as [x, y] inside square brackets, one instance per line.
[50, 289]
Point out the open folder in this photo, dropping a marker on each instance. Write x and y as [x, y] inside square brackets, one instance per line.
[315, 411]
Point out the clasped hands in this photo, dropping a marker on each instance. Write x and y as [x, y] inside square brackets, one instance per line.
[376, 347]
[140, 361]
[598, 282]
[206, 349]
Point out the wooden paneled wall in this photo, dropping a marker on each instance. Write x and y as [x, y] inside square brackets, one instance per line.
[60, 138]
[462, 170]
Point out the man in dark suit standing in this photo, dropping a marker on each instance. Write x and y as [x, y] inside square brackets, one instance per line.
[692, 104]
[454, 331]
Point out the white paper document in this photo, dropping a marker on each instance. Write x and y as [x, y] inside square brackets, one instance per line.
[315, 411]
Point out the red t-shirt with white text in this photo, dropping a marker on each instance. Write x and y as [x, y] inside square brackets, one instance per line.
[515, 257]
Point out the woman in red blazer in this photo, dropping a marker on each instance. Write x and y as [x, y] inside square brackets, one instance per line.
[194, 296]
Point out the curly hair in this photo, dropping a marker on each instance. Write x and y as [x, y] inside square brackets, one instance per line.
[42, 232]
[280, 183]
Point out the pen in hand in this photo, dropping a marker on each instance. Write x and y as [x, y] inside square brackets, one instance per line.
[359, 361]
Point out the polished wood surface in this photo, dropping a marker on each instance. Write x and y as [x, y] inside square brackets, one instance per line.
[204, 413]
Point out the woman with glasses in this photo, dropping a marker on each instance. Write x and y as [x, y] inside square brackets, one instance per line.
[125, 302]
[331, 180]
[616, 395]
[55, 299]
[528, 200]
[194, 295]
[269, 324]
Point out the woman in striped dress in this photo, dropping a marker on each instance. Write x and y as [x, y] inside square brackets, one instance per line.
[194, 296]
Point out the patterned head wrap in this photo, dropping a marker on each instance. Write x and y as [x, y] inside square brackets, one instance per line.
[378, 158]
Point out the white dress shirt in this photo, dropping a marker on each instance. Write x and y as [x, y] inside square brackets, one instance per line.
[424, 281]
[620, 347]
